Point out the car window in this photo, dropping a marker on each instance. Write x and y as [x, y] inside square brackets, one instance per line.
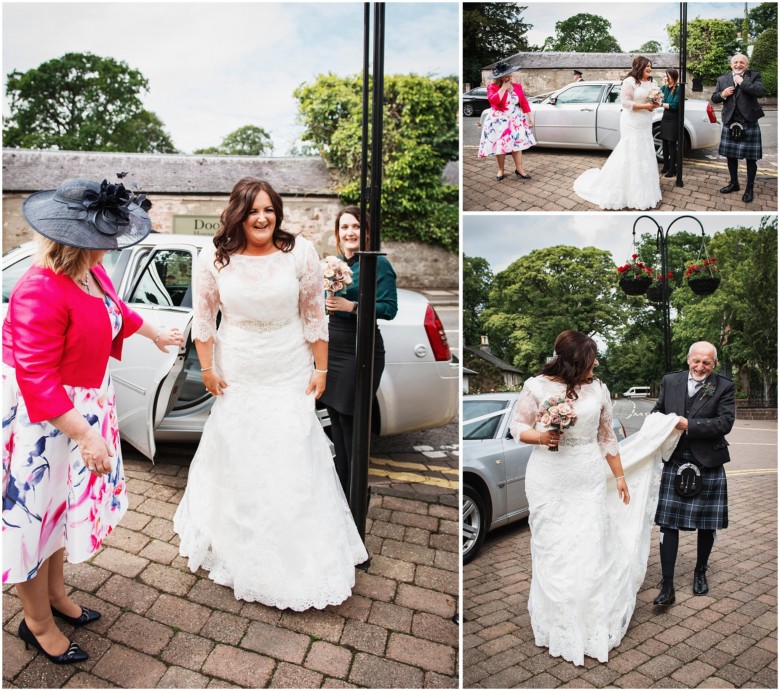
[481, 418]
[166, 280]
[588, 93]
[13, 273]
[479, 91]
[614, 94]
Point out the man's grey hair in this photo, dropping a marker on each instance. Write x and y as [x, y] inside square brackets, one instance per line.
[704, 343]
[739, 55]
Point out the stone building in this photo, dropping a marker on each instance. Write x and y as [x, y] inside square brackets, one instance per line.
[189, 192]
[488, 372]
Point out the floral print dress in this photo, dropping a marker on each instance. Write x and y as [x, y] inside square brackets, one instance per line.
[50, 499]
[506, 131]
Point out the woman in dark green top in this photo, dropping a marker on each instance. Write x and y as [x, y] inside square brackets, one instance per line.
[339, 396]
[669, 133]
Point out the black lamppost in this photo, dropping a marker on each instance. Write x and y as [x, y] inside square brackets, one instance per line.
[683, 73]
[662, 248]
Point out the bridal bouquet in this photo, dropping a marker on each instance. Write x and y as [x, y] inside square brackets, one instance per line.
[557, 413]
[655, 95]
[336, 275]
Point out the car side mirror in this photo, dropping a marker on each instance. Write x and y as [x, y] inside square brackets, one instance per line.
[553, 100]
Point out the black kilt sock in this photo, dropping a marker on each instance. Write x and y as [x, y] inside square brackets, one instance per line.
[752, 167]
[670, 539]
[733, 164]
[704, 542]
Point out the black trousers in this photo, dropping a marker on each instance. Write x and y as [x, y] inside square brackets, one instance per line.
[341, 427]
[670, 155]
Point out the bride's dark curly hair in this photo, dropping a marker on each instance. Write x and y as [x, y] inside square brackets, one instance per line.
[230, 237]
[575, 354]
[638, 67]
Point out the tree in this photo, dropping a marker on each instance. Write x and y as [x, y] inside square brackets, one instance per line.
[491, 31]
[420, 136]
[762, 18]
[545, 292]
[82, 102]
[764, 60]
[649, 47]
[249, 140]
[477, 278]
[583, 33]
[711, 43]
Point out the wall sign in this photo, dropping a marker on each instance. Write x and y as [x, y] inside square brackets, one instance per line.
[195, 225]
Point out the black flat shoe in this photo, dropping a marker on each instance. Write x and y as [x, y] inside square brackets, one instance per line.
[521, 176]
[665, 597]
[87, 617]
[700, 586]
[748, 196]
[731, 187]
[664, 170]
[499, 178]
[671, 174]
[71, 655]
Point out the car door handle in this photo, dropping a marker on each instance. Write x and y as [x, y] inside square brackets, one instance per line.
[586, 110]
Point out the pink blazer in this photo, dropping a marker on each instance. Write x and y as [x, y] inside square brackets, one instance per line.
[500, 102]
[54, 335]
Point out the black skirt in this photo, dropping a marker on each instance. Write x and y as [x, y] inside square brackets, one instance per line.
[669, 126]
[708, 510]
[342, 366]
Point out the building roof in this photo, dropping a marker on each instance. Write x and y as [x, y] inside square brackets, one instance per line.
[28, 170]
[586, 61]
[492, 359]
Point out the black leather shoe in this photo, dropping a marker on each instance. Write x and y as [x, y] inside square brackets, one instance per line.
[731, 187]
[664, 170]
[499, 178]
[87, 617]
[748, 196]
[671, 174]
[518, 174]
[665, 597]
[700, 586]
[71, 655]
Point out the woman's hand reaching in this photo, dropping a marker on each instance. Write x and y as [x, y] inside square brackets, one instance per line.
[339, 304]
[622, 490]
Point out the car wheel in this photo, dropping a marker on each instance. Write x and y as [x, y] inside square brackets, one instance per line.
[468, 110]
[475, 522]
[658, 142]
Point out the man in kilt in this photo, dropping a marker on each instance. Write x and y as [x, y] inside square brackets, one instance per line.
[739, 91]
[693, 485]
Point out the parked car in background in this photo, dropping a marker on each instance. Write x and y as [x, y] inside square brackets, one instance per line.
[161, 396]
[494, 468]
[637, 392]
[586, 115]
[475, 101]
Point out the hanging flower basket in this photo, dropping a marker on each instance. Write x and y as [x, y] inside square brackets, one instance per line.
[656, 292]
[706, 285]
[632, 285]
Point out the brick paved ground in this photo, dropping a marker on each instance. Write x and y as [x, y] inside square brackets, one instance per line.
[165, 627]
[727, 639]
[553, 173]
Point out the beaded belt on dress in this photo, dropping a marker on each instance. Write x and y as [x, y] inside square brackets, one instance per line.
[259, 326]
[575, 441]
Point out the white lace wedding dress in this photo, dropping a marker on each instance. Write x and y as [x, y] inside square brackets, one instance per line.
[588, 550]
[629, 178]
[264, 511]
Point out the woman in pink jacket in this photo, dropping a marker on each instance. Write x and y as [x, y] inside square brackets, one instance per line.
[508, 127]
[63, 479]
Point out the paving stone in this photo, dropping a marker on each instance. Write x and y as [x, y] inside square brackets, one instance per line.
[433, 628]
[393, 569]
[374, 587]
[187, 650]
[337, 684]
[693, 673]
[157, 508]
[160, 552]
[128, 594]
[126, 540]
[129, 669]
[416, 554]
[84, 576]
[181, 678]
[225, 628]
[120, 562]
[258, 612]
[239, 666]
[168, 579]
[416, 536]
[15, 657]
[366, 637]
[275, 642]
[160, 528]
[376, 672]
[314, 623]
[289, 676]
[425, 600]
[84, 680]
[332, 660]
[415, 520]
[428, 655]
[141, 634]
[391, 617]
[355, 607]
[437, 579]
[42, 674]
[179, 613]
[211, 594]
[407, 505]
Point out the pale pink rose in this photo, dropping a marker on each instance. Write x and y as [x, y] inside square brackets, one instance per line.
[556, 420]
[545, 420]
[565, 409]
[337, 286]
[329, 272]
[554, 410]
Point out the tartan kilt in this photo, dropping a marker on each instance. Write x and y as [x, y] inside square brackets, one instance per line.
[708, 510]
[749, 147]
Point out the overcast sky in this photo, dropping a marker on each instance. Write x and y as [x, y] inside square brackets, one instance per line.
[214, 67]
[503, 238]
[633, 23]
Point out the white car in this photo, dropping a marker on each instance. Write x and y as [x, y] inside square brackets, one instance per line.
[162, 397]
[586, 115]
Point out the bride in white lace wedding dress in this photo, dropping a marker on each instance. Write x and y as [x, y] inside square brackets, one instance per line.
[589, 549]
[264, 511]
[629, 178]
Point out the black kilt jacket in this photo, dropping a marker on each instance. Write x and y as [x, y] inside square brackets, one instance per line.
[744, 99]
[710, 419]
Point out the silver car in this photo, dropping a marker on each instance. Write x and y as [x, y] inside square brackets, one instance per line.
[161, 397]
[586, 115]
[494, 467]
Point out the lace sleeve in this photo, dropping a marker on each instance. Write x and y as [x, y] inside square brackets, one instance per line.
[205, 301]
[524, 416]
[311, 301]
[606, 436]
[627, 93]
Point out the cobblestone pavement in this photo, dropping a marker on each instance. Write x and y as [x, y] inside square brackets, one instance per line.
[726, 639]
[554, 171]
[166, 627]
